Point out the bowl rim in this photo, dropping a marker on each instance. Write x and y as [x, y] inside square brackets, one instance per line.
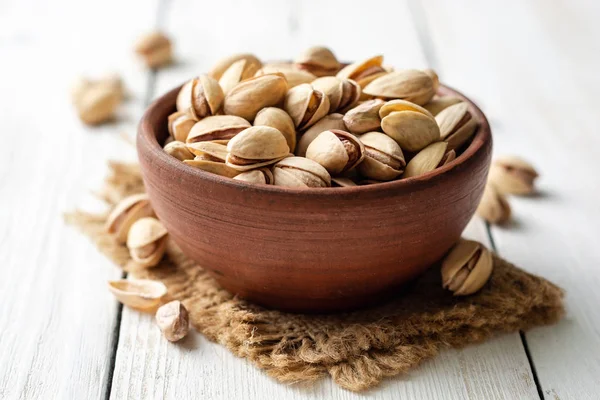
[146, 137]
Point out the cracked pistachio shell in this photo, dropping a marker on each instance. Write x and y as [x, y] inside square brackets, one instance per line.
[412, 127]
[212, 151]
[513, 175]
[155, 49]
[331, 121]
[280, 120]
[147, 241]
[457, 125]
[180, 124]
[342, 93]
[305, 105]
[300, 172]
[466, 268]
[125, 213]
[407, 84]
[255, 147]
[437, 104]
[364, 117]
[217, 127]
[319, 61]
[262, 175]
[293, 74]
[248, 97]
[223, 64]
[173, 320]
[140, 294]
[383, 160]
[178, 150]
[363, 72]
[336, 150]
[431, 157]
[340, 181]
[209, 164]
[200, 97]
[237, 72]
[98, 104]
[494, 207]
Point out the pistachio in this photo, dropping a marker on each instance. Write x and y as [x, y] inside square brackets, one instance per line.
[211, 151]
[410, 125]
[222, 65]
[180, 124]
[200, 97]
[331, 121]
[178, 150]
[278, 119]
[437, 104]
[173, 320]
[82, 85]
[247, 98]
[494, 207]
[255, 147]
[140, 294]
[407, 84]
[364, 117]
[212, 165]
[434, 77]
[306, 105]
[466, 268]
[79, 86]
[513, 175]
[319, 61]
[155, 49]
[342, 93]
[237, 72]
[261, 175]
[300, 172]
[125, 213]
[428, 159]
[218, 127]
[98, 104]
[341, 181]
[383, 160]
[292, 74]
[336, 150]
[457, 125]
[147, 241]
[364, 72]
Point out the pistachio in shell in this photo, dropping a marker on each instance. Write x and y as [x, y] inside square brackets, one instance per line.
[237, 72]
[200, 97]
[513, 175]
[410, 125]
[437, 104]
[154, 49]
[305, 105]
[261, 175]
[248, 97]
[457, 125]
[407, 84]
[431, 157]
[342, 93]
[383, 160]
[125, 213]
[218, 127]
[140, 294]
[466, 268]
[147, 241]
[180, 123]
[178, 150]
[331, 121]
[223, 64]
[278, 119]
[338, 151]
[300, 172]
[319, 61]
[364, 117]
[293, 75]
[256, 147]
[494, 207]
[364, 72]
[434, 77]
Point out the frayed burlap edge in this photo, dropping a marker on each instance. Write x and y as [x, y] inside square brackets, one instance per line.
[356, 349]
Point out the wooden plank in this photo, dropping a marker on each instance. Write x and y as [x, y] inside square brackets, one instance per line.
[538, 83]
[56, 316]
[149, 367]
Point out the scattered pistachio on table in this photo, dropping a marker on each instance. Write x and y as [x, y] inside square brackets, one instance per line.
[154, 49]
[125, 213]
[513, 175]
[96, 101]
[466, 268]
[494, 207]
[147, 242]
[140, 294]
[173, 320]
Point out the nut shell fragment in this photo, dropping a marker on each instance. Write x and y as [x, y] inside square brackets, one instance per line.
[125, 213]
[140, 294]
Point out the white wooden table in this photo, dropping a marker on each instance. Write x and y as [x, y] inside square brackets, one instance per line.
[533, 67]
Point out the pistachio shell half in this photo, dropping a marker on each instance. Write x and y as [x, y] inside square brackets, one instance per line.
[305, 105]
[331, 121]
[140, 294]
[408, 84]
[280, 120]
[336, 150]
[125, 213]
[212, 166]
[255, 147]
[218, 127]
[340, 181]
[431, 157]
[342, 93]
[216, 151]
[364, 117]
[178, 150]
[411, 126]
[180, 124]
[147, 241]
[300, 172]
[223, 64]
[383, 160]
[457, 125]
[261, 175]
[437, 104]
[319, 61]
[466, 268]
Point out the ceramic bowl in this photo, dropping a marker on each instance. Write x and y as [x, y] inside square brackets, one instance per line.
[312, 250]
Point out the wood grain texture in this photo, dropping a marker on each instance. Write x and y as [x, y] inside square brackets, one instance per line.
[56, 316]
[539, 87]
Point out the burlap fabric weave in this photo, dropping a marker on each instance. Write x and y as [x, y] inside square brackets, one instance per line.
[356, 349]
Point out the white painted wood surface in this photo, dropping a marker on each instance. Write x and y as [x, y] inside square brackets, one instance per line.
[538, 84]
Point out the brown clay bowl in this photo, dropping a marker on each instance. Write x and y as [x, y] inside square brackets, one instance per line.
[312, 250]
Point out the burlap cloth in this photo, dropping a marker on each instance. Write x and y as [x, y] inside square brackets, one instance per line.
[356, 349]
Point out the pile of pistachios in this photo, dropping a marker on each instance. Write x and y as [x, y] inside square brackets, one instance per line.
[315, 122]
